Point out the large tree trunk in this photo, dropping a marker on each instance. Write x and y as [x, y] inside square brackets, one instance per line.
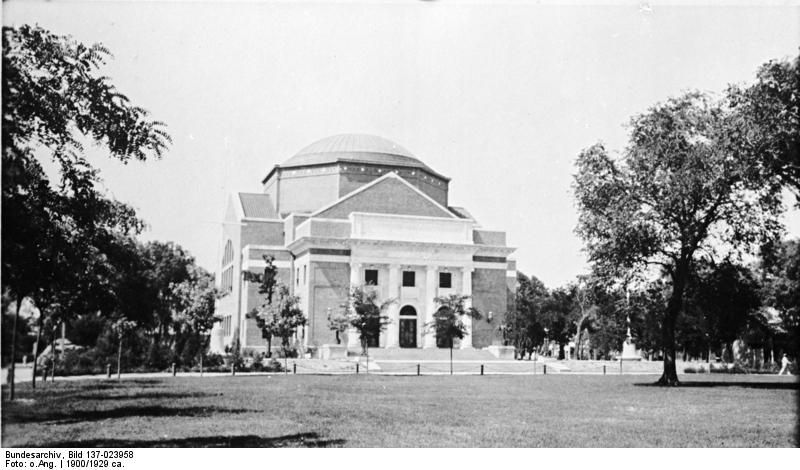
[670, 376]
[13, 351]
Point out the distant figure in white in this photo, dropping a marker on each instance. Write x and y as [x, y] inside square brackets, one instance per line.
[784, 365]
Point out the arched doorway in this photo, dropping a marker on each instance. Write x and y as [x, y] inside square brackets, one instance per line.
[408, 327]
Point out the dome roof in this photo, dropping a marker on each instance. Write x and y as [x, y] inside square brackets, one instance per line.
[358, 148]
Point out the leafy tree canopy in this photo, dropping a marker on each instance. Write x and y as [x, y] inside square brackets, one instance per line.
[683, 187]
[365, 313]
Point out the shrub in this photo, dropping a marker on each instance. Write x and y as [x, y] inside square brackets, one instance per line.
[695, 370]
[213, 360]
[272, 365]
[290, 353]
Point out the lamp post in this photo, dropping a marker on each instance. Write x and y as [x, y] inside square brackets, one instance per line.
[546, 342]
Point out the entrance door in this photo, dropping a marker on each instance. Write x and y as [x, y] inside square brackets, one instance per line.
[408, 327]
[408, 332]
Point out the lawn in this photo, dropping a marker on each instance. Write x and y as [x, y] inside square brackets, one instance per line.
[392, 411]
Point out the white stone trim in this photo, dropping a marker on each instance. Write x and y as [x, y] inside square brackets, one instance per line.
[264, 247]
[259, 219]
[327, 219]
[330, 258]
[410, 228]
[416, 262]
[510, 273]
[485, 265]
[260, 263]
[237, 205]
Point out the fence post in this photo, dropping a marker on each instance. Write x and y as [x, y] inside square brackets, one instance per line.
[233, 368]
[294, 368]
[108, 370]
[356, 368]
[620, 367]
[417, 369]
[604, 369]
[173, 369]
[544, 369]
[481, 369]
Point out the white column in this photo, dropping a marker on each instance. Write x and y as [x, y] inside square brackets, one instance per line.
[429, 337]
[393, 311]
[466, 289]
[353, 340]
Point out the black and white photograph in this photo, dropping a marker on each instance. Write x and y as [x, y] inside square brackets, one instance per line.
[398, 224]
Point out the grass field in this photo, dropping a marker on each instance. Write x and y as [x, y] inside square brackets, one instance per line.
[387, 411]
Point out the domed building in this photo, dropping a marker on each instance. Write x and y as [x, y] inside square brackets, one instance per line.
[360, 210]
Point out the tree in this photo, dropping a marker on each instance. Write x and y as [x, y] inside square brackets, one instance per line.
[559, 316]
[448, 321]
[768, 115]
[122, 328]
[725, 298]
[53, 103]
[266, 287]
[338, 322]
[196, 301]
[523, 326]
[683, 188]
[283, 317]
[167, 264]
[366, 314]
[586, 305]
[781, 273]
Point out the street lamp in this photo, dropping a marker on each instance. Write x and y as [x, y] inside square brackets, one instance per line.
[546, 342]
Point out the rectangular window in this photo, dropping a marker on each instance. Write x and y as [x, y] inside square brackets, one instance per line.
[445, 280]
[409, 279]
[297, 276]
[371, 277]
[305, 280]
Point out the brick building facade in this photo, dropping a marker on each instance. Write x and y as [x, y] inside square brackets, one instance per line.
[355, 210]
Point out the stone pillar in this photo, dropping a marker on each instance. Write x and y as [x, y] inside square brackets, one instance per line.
[429, 336]
[353, 340]
[393, 311]
[466, 289]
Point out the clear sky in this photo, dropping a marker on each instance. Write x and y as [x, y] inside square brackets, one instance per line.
[499, 98]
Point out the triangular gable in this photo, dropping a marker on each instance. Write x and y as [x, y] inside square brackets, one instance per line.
[389, 194]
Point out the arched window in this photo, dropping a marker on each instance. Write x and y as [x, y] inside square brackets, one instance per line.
[227, 257]
[226, 280]
[408, 311]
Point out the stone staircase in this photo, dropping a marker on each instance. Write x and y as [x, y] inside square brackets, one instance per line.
[416, 355]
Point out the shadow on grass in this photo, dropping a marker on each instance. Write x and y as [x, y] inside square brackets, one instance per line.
[759, 385]
[146, 395]
[306, 439]
[79, 416]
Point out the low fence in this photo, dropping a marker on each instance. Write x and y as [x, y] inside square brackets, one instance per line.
[367, 366]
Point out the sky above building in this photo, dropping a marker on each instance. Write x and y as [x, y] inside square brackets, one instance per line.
[499, 98]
